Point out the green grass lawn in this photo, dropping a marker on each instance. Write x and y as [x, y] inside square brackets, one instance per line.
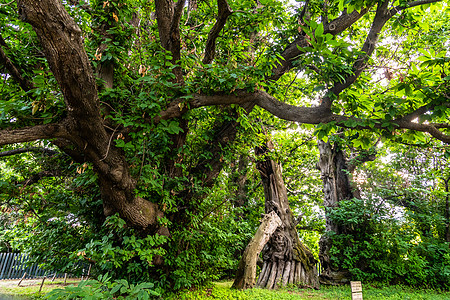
[222, 290]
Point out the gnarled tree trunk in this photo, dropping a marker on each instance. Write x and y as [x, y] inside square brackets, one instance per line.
[83, 126]
[246, 274]
[286, 260]
[336, 187]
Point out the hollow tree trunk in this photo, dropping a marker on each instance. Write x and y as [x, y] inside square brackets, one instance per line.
[246, 274]
[286, 260]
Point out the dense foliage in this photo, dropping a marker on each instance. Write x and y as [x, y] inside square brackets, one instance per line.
[128, 129]
[398, 232]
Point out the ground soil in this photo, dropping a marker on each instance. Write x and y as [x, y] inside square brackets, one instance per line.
[34, 282]
[9, 289]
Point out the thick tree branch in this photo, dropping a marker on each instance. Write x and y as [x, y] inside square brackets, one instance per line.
[344, 21]
[66, 57]
[383, 14]
[178, 12]
[433, 131]
[440, 125]
[224, 11]
[168, 16]
[2, 42]
[61, 40]
[289, 54]
[308, 115]
[46, 151]
[361, 158]
[29, 134]
[421, 111]
[63, 46]
[381, 17]
[164, 14]
[175, 41]
[303, 12]
[70, 149]
[418, 112]
[207, 170]
[224, 134]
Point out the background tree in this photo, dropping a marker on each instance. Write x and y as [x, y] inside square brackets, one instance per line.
[398, 226]
[337, 169]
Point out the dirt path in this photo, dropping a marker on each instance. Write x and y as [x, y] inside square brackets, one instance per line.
[32, 282]
[9, 289]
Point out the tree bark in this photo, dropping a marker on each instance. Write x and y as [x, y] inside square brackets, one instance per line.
[286, 260]
[246, 273]
[336, 172]
[447, 209]
[336, 187]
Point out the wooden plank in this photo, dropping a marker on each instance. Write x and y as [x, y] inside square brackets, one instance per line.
[356, 287]
[24, 274]
[13, 266]
[2, 263]
[42, 284]
[2, 259]
[17, 271]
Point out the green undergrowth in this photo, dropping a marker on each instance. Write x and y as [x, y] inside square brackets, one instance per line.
[222, 290]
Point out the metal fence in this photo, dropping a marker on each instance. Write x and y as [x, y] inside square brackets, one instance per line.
[14, 266]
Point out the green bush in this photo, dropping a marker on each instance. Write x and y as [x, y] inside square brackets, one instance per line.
[390, 250]
[121, 252]
[206, 253]
[104, 288]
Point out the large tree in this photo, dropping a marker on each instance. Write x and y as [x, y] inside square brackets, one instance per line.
[286, 260]
[336, 170]
[155, 106]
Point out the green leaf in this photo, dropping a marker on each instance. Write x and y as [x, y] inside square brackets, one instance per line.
[341, 5]
[319, 30]
[116, 288]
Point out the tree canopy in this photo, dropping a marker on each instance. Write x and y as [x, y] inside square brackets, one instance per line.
[145, 114]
